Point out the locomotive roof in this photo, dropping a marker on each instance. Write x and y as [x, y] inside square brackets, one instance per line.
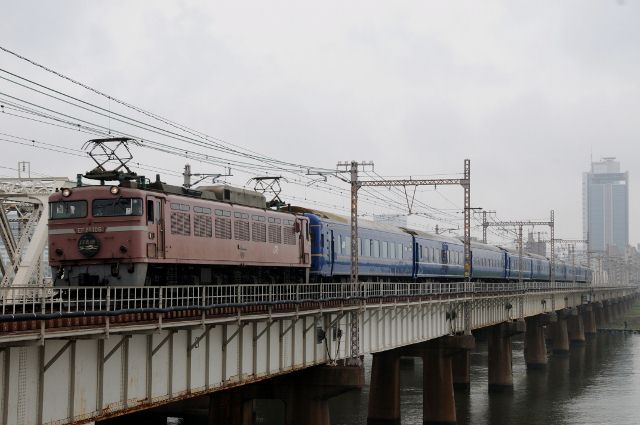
[220, 192]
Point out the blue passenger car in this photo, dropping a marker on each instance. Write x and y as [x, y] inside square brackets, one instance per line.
[384, 251]
[540, 267]
[389, 253]
[487, 262]
[582, 274]
[437, 256]
[514, 265]
[561, 271]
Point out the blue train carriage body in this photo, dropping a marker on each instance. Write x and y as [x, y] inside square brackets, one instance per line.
[571, 272]
[436, 256]
[541, 267]
[384, 251]
[513, 265]
[582, 274]
[488, 262]
[561, 271]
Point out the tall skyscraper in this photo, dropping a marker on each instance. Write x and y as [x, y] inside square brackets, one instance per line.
[605, 206]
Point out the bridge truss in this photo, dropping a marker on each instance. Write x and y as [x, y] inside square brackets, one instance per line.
[24, 210]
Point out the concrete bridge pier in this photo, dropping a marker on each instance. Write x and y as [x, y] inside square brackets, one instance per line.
[438, 400]
[598, 312]
[606, 313]
[307, 396]
[230, 408]
[535, 349]
[384, 391]
[575, 328]
[589, 320]
[500, 376]
[461, 370]
[627, 304]
[614, 311]
[560, 335]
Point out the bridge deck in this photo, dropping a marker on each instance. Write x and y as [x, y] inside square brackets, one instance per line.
[88, 353]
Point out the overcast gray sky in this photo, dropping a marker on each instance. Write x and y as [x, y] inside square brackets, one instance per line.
[526, 90]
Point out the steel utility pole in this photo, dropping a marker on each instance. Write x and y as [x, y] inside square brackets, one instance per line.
[187, 174]
[572, 242]
[484, 220]
[519, 225]
[353, 167]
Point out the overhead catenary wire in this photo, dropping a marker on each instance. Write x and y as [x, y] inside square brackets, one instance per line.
[131, 106]
[264, 163]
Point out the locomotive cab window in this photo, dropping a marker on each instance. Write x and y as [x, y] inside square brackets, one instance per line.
[117, 207]
[67, 209]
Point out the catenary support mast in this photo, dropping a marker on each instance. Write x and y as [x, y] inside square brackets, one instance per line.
[353, 167]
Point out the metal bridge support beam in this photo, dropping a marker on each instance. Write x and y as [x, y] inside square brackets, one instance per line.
[384, 390]
[560, 335]
[460, 368]
[535, 348]
[500, 377]
[439, 406]
[575, 328]
[589, 320]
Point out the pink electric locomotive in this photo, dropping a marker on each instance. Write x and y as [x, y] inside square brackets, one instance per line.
[139, 233]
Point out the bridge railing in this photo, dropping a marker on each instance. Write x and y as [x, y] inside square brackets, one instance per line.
[47, 302]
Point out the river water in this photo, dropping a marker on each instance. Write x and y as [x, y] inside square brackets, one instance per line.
[598, 383]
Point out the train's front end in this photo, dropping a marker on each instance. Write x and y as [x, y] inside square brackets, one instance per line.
[97, 236]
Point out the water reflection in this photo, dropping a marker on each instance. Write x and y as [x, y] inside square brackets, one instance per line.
[597, 383]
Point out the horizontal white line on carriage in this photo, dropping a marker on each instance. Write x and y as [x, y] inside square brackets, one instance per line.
[97, 229]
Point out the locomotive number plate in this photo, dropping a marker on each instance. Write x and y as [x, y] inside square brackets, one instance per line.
[90, 229]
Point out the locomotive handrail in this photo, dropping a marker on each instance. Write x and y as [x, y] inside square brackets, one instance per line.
[37, 302]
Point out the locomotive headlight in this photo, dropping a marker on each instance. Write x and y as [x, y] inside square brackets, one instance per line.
[114, 190]
[66, 192]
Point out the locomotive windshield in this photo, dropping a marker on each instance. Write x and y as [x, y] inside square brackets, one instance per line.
[67, 209]
[117, 207]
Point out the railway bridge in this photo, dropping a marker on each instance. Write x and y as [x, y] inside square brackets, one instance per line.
[91, 353]
[88, 354]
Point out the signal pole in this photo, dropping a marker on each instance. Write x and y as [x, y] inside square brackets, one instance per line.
[353, 167]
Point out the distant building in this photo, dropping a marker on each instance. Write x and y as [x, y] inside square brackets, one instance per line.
[605, 206]
[535, 246]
